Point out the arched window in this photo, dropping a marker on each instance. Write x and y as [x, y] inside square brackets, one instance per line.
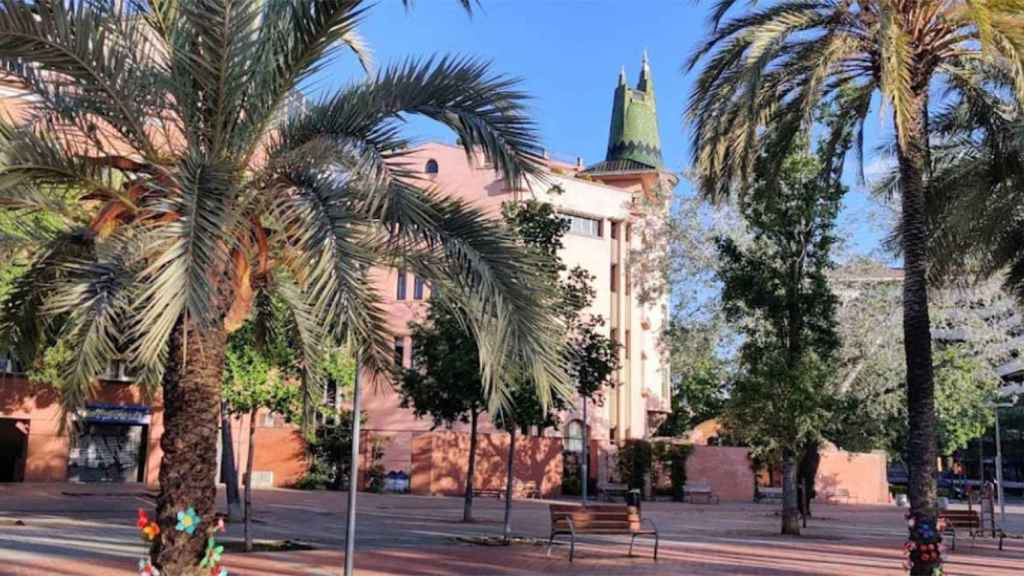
[574, 436]
[431, 167]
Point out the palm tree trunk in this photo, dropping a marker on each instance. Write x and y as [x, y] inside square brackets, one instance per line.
[188, 471]
[790, 504]
[228, 469]
[467, 510]
[917, 337]
[508, 484]
[248, 479]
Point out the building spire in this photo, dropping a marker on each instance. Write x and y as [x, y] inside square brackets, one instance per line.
[646, 84]
[633, 135]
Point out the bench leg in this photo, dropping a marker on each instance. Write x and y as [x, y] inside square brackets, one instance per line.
[551, 542]
[572, 547]
[656, 540]
[631, 540]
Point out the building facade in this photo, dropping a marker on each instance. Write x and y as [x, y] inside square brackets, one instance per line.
[610, 206]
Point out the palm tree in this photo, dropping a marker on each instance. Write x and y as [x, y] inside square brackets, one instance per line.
[978, 185]
[766, 72]
[153, 135]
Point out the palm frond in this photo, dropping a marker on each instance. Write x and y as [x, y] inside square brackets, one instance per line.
[93, 299]
[495, 282]
[485, 111]
[187, 257]
[80, 65]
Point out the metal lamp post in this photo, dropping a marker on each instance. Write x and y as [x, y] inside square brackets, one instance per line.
[585, 468]
[353, 476]
[999, 463]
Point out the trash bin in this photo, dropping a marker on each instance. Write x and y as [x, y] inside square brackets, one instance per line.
[633, 499]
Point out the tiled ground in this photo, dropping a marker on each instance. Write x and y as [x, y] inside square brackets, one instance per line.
[68, 533]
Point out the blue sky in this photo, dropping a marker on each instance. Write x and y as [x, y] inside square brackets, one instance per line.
[568, 54]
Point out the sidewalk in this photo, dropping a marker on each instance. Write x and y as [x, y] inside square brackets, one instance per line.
[95, 535]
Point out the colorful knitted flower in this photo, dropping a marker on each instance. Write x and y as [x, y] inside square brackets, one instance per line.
[218, 571]
[142, 520]
[187, 521]
[220, 525]
[213, 553]
[151, 530]
[146, 568]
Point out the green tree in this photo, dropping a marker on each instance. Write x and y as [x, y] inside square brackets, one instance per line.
[261, 373]
[199, 191]
[765, 71]
[445, 382]
[779, 288]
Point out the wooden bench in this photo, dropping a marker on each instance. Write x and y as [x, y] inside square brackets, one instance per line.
[703, 492]
[952, 521]
[767, 493]
[611, 519]
[496, 492]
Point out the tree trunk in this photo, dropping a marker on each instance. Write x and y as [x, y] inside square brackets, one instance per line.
[917, 339]
[228, 469]
[808, 471]
[188, 471]
[467, 510]
[248, 479]
[508, 484]
[790, 505]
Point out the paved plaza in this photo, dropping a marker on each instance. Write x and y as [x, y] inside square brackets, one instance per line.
[74, 529]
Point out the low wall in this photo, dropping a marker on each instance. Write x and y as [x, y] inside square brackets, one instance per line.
[861, 475]
[726, 469]
[440, 460]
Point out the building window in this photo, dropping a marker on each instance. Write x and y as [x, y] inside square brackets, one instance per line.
[629, 278]
[583, 226]
[400, 352]
[431, 167]
[269, 420]
[614, 230]
[400, 292]
[615, 278]
[412, 352]
[627, 343]
[417, 289]
[629, 232]
[574, 436]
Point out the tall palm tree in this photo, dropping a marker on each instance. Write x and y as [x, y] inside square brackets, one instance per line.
[153, 135]
[766, 71]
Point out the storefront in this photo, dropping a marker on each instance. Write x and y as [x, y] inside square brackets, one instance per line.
[108, 443]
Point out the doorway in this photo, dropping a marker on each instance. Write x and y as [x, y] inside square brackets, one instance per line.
[13, 449]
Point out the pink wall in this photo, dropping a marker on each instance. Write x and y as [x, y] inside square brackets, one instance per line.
[862, 475]
[726, 469]
[440, 459]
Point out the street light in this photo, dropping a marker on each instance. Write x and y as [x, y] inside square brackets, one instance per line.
[999, 459]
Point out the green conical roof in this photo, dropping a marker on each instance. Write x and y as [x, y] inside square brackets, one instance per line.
[634, 129]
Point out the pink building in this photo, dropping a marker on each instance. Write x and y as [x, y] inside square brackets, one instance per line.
[610, 205]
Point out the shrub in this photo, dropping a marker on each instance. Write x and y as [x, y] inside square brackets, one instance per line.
[635, 461]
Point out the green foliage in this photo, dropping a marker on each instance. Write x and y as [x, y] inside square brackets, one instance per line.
[673, 457]
[775, 406]
[444, 382]
[330, 452]
[261, 365]
[635, 461]
[779, 289]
